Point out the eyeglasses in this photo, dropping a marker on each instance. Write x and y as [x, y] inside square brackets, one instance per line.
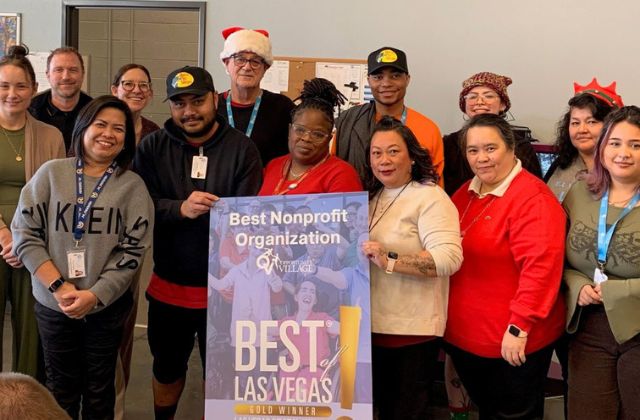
[314, 136]
[486, 97]
[241, 61]
[129, 85]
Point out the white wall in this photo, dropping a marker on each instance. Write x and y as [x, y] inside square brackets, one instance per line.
[543, 46]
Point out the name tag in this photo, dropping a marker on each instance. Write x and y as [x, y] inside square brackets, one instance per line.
[199, 167]
[76, 263]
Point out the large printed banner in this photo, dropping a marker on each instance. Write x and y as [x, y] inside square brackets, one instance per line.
[289, 316]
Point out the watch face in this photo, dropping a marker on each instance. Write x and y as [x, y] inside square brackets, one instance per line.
[513, 330]
[392, 255]
[55, 285]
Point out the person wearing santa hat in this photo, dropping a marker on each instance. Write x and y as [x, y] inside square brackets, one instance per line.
[261, 115]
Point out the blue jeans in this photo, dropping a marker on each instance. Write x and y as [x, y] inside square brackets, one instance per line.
[80, 357]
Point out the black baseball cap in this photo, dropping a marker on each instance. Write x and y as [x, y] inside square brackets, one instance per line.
[387, 57]
[194, 80]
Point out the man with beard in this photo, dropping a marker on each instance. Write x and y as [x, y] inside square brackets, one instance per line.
[187, 165]
[60, 105]
[388, 79]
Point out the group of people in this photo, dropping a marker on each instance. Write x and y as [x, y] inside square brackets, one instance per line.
[467, 245]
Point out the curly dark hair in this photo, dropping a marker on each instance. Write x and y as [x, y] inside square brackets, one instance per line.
[422, 170]
[567, 152]
[320, 94]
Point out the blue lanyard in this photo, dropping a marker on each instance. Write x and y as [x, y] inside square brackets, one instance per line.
[604, 234]
[82, 208]
[252, 119]
[403, 118]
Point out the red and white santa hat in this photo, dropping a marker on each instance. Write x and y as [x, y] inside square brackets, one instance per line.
[239, 39]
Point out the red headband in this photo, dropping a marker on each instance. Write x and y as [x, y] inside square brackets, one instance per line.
[607, 94]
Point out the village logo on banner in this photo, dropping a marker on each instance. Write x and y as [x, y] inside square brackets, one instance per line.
[289, 316]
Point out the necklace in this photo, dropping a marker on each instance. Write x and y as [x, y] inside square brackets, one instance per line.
[17, 152]
[475, 219]
[624, 202]
[299, 178]
[293, 173]
[373, 223]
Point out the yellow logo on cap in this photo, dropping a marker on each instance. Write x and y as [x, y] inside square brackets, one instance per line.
[182, 80]
[387, 56]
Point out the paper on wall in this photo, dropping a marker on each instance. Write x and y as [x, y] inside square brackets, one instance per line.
[276, 78]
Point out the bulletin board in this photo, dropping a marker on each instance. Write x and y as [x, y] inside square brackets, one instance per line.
[287, 75]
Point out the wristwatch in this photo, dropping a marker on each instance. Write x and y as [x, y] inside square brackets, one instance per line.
[516, 331]
[56, 284]
[392, 257]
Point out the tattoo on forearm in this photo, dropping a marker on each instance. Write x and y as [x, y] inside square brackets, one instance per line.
[424, 265]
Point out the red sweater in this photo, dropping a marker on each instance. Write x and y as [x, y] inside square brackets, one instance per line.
[513, 258]
[333, 176]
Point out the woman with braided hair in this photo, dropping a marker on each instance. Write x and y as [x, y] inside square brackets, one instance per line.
[309, 168]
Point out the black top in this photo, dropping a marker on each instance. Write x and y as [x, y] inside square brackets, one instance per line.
[271, 131]
[42, 108]
[457, 170]
[164, 159]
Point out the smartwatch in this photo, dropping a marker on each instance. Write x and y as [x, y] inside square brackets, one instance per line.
[56, 284]
[516, 332]
[392, 257]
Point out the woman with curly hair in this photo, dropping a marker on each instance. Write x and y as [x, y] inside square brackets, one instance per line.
[578, 132]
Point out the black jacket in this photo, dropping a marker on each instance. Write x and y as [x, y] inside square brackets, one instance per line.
[163, 160]
[42, 108]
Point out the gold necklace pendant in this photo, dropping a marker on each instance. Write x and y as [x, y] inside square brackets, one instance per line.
[17, 152]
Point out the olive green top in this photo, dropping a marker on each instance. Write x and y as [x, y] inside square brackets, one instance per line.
[12, 175]
[621, 293]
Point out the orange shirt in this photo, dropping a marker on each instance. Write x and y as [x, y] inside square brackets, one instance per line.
[428, 135]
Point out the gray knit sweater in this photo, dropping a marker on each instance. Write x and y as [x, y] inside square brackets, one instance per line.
[117, 233]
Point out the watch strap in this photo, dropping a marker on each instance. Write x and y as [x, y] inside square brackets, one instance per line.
[54, 285]
[392, 257]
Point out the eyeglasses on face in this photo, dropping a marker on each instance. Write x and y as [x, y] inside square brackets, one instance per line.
[314, 136]
[241, 61]
[129, 85]
[487, 97]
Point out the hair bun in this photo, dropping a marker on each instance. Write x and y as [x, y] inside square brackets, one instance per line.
[17, 51]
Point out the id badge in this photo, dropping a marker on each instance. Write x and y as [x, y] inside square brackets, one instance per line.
[199, 167]
[76, 263]
[599, 276]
